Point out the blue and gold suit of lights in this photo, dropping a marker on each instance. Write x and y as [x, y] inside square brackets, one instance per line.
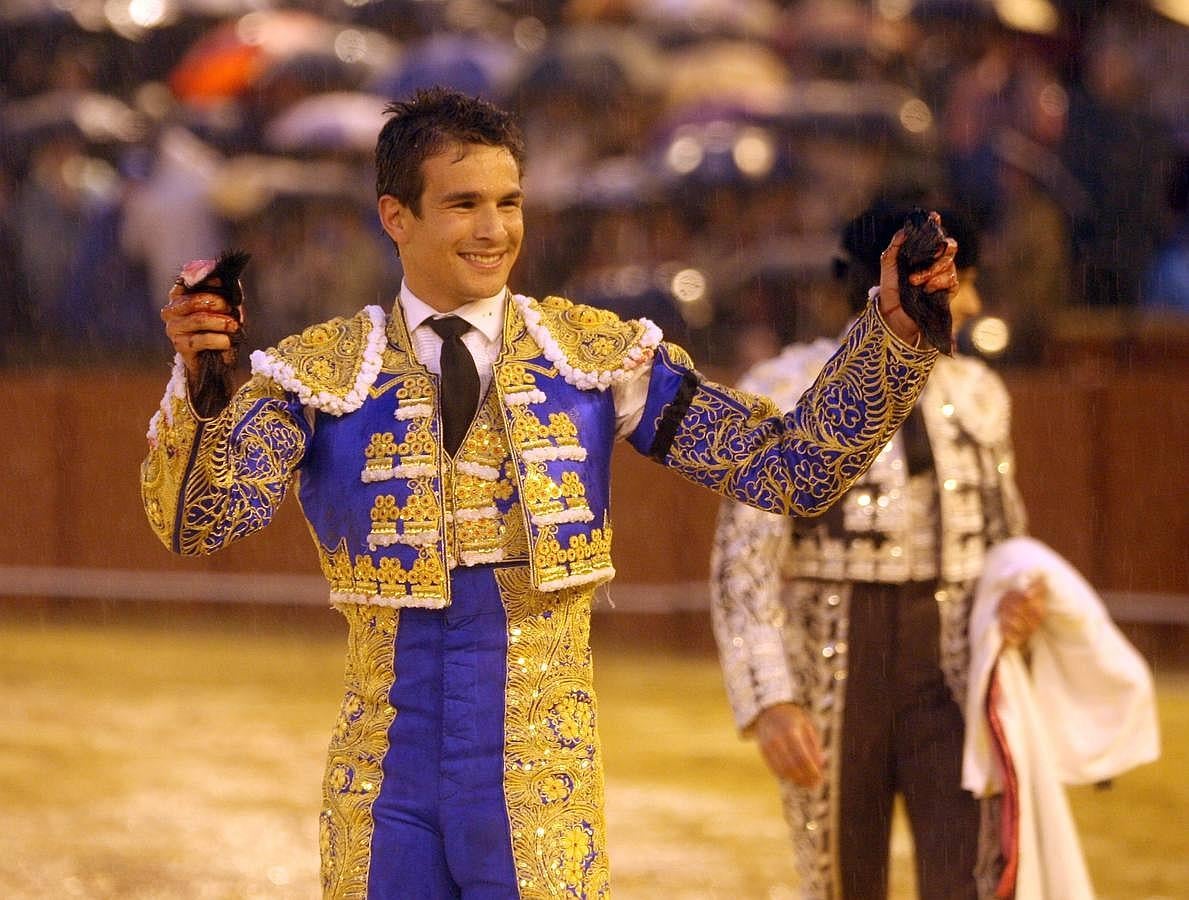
[465, 760]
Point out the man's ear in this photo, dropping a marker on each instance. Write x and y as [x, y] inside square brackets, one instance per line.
[394, 217]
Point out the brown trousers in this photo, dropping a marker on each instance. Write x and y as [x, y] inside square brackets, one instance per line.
[902, 733]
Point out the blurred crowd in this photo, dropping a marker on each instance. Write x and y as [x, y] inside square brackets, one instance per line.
[689, 160]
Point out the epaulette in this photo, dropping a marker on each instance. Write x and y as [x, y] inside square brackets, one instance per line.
[982, 404]
[329, 366]
[592, 348]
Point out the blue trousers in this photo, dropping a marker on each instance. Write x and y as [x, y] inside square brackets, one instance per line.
[465, 761]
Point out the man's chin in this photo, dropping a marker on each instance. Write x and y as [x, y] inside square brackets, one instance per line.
[487, 286]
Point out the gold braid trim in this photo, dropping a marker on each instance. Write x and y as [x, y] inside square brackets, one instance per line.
[357, 747]
[553, 781]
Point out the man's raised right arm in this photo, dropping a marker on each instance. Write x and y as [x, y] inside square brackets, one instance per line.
[208, 482]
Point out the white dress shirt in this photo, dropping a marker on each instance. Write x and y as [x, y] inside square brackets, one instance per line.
[485, 340]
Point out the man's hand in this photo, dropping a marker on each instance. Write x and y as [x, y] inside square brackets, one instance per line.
[197, 322]
[1020, 613]
[941, 276]
[790, 744]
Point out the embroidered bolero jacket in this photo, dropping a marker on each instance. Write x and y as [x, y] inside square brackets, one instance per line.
[779, 588]
[345, 415]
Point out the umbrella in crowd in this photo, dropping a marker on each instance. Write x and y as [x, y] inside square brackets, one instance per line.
[235, 56]
[246, 184]
[595, 61]
[741, 73]
[470, 64]
[854, 109]
[339, 121]
[685, 18]
[97, 118]
[721, 145]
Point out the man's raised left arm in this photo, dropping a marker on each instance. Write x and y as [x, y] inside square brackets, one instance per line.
[801, 461]
[798, 462]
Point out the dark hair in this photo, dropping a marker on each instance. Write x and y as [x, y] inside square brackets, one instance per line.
[867, 235]
[428, 123]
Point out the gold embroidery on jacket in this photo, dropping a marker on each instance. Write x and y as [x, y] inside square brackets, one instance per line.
[240, 470]
[415, 397]
[389, 580]
[553, 782]
[418, 519]
[550, 502]
[840, 424]
[581, 558]
[379, 453]
[328, 356]
[423, 582]
[517, 384]
[529, 433]
[163, 469]
[592, 339]
[519, 348]
[482, 477]
[485, 443]
[357, 747]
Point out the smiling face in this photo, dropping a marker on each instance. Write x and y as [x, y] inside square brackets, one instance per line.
[464, 242]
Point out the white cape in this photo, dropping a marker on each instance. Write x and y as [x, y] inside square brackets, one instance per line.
[1083, 713]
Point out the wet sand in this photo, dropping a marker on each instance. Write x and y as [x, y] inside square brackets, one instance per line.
[146, 758]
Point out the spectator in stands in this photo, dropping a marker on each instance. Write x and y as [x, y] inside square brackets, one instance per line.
[1167, 281]
[1120, 154]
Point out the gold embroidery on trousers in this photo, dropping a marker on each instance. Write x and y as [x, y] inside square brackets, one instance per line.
[357, 748]
[553, 779]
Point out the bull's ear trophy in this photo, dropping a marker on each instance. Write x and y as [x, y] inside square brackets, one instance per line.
[924, 239]
[212, 388]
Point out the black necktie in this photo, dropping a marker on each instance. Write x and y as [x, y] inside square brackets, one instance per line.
[918, 453]
[460, 381]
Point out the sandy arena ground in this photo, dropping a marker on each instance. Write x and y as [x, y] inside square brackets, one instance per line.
[146, 758]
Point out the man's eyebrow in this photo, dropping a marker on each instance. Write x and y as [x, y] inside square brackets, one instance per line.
[459, 196]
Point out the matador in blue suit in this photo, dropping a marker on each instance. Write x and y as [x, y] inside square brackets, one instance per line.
[452, 458]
